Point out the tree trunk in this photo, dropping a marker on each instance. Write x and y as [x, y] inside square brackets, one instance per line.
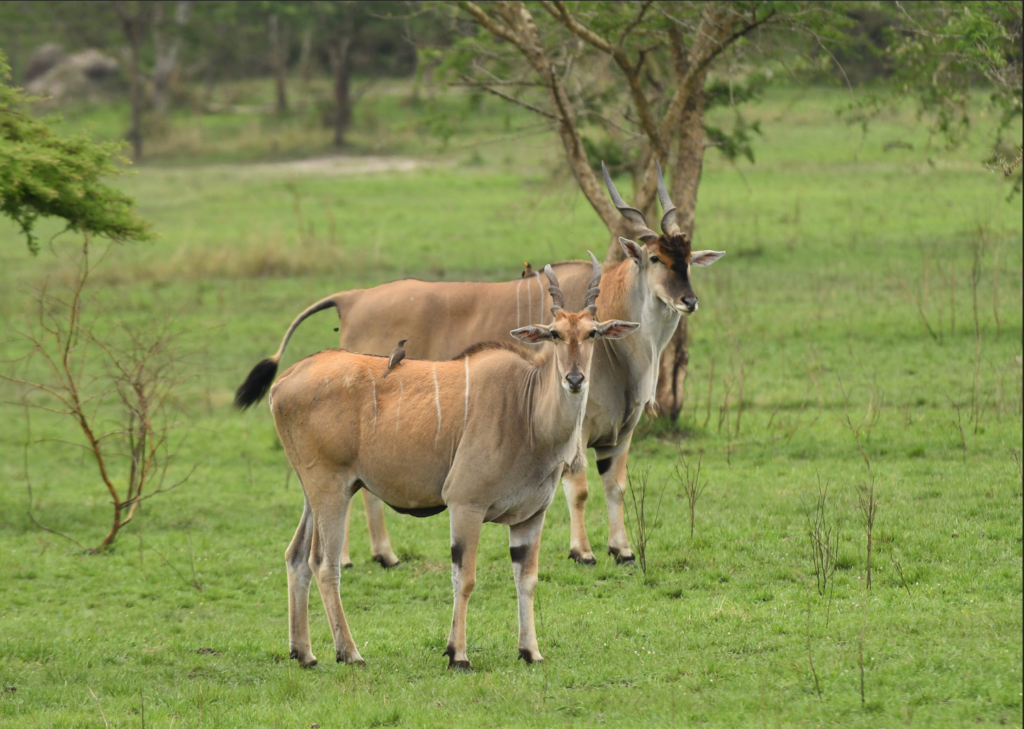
[132, 31]
[279, 63]
[165, 49]
[340, 53]
[689, 158]
[686, 172]
[305, 54]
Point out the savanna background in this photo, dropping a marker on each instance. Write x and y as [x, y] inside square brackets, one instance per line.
[854, 372]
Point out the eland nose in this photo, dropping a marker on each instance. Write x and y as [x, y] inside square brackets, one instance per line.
[575, 382]
[690, 302]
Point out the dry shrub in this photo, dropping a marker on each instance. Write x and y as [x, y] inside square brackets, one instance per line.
[114, 383]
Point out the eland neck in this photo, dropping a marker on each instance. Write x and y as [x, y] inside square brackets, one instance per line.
[626, 294]
[555, 415]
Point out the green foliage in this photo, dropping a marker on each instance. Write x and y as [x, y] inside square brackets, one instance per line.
[735, 144]
[43, 175]
[948, 49]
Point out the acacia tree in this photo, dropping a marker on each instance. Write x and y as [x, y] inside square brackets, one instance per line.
[646, 90]
[43, 175]
[943, 51]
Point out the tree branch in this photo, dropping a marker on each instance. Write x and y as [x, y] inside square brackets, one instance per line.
[560, 12]
[520, 29]
[489, 23]
[536, 110]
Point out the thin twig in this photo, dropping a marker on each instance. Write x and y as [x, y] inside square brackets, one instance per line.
[810, 656]
[536, 110]
[99, 706]
[193, 584]
[899, 571]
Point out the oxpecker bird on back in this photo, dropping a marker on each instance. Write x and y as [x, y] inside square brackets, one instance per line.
[397, 355]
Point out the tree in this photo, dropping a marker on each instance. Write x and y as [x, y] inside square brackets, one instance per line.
[279, 60]
[943, 51]
[358, 36]
[639, 89]
[167, 39]
[339, 24]
[117, 388]
[43, 175]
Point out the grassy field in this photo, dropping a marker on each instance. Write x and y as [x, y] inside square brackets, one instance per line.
[849, 268]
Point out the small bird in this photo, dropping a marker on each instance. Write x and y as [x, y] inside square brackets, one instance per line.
[528, 270]
[397, 355]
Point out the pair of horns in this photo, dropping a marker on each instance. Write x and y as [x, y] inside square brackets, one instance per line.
[593, 289]
[668, 220]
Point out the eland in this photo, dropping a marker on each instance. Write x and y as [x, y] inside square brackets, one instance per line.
[485, 436]
[650, 286]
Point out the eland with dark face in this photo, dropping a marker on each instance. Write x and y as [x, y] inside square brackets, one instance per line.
[486, 436]
[651, 286]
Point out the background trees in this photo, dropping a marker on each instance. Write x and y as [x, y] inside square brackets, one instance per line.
[630, 82]
[625, 83]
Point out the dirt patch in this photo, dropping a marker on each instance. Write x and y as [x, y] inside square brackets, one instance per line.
[338, 166]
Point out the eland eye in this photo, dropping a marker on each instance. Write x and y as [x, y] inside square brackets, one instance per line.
[655, 259]
[593, 334]
[555, 336]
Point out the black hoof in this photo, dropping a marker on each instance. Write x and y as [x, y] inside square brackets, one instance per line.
[578, 558]
[341, 658]
[295, 654]
[525, 655]
[347, 566]
[619, 559]
[379, 559]
[452, 663]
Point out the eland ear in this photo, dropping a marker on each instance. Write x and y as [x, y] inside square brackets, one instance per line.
[632, 249]
[705, 258]
[616, 329]
[534, 334]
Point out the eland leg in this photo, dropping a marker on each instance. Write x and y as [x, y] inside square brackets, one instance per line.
[296, 559]
[380, 544]
[465, 526]
[346, 561]
[616, 478]
[524, 548]
[330, 502]
[574, 485]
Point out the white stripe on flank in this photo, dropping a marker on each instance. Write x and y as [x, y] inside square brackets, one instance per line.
[398, 410]
[540, 304]
[465, 411]
[374, 383]
[529, 298]
[437, 401]
[518, 286]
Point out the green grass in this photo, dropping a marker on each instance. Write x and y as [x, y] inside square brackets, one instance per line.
[844, 264]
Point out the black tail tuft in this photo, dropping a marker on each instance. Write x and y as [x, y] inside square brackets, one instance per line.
[256, 384]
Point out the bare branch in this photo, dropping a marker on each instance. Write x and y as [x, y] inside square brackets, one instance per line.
[490, 23]
[561, 13]
[536, 110]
